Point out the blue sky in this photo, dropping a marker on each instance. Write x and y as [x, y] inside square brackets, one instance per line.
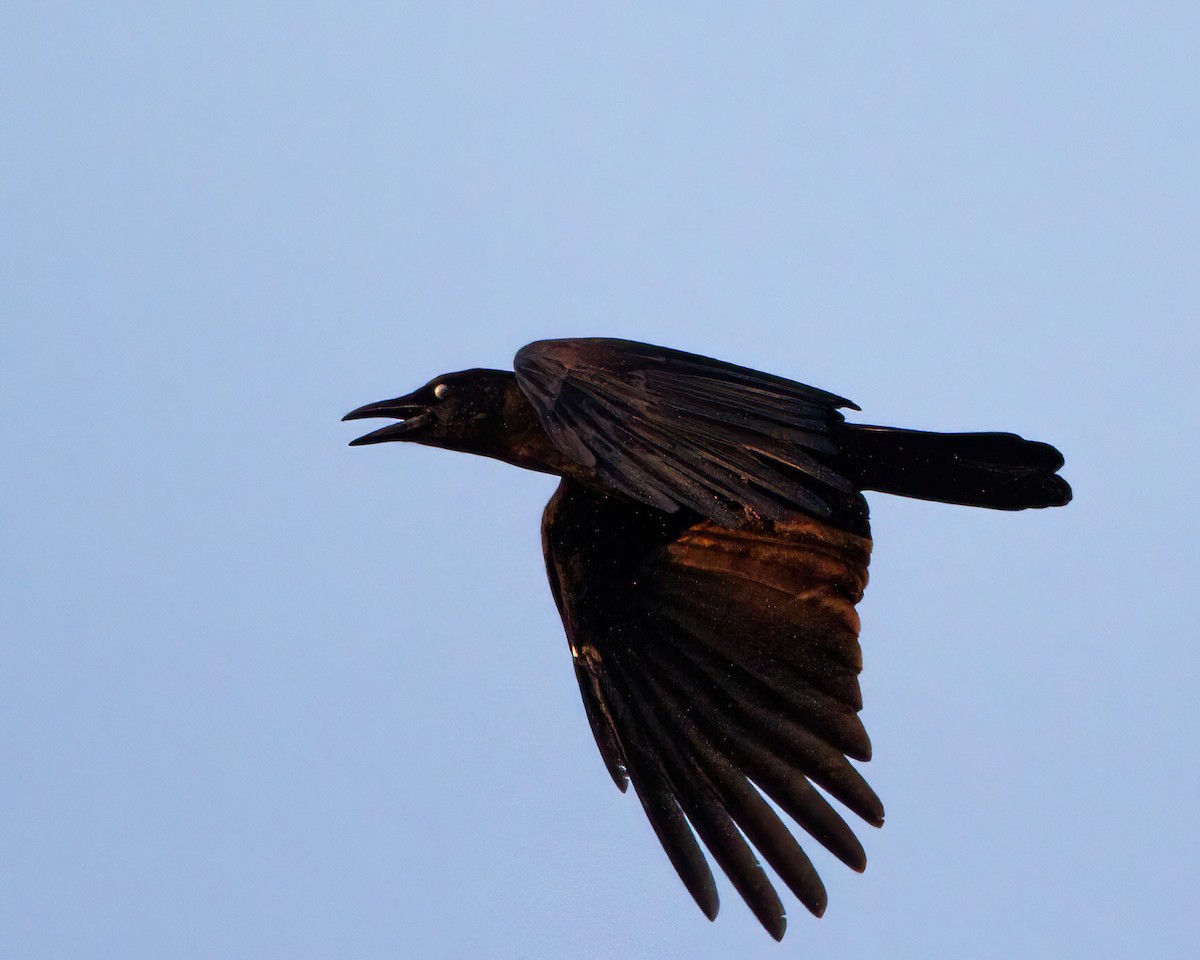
[265, 696]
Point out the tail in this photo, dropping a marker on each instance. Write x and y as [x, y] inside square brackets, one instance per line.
[997, 470]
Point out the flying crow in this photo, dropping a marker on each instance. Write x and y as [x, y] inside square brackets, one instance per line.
[706, 548]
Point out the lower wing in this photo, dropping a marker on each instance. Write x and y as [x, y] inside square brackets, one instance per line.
[718, 665]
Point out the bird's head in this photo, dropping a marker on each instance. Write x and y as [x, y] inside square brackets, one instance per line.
[467, 411]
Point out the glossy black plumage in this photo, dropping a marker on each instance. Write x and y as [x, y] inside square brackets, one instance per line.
[706, 549]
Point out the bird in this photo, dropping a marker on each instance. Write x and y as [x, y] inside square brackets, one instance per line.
[706, 548]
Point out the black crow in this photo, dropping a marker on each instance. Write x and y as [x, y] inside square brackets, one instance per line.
[706, 548]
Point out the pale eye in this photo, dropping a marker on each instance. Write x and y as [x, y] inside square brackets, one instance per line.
[440, 391]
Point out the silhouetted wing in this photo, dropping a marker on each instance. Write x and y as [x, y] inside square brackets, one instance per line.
[674, 429]
[711, 661]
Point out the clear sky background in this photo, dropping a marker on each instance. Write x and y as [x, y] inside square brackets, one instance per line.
[265, 696]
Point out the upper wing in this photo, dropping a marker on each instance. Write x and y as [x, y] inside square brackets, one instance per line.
[673, 429]
[712, 662]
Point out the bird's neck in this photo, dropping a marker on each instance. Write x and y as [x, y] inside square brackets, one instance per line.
[533, 450]
[517, 437]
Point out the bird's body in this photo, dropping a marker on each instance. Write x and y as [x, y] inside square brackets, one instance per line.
[706, 549]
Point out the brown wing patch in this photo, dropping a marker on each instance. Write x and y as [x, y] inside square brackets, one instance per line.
[818, 572]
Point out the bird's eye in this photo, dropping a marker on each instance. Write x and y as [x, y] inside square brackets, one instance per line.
[440, 391]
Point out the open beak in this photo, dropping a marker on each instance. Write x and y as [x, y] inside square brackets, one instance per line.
[411, 414]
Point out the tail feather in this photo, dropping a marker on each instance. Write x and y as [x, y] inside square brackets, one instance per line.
[997, 470]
